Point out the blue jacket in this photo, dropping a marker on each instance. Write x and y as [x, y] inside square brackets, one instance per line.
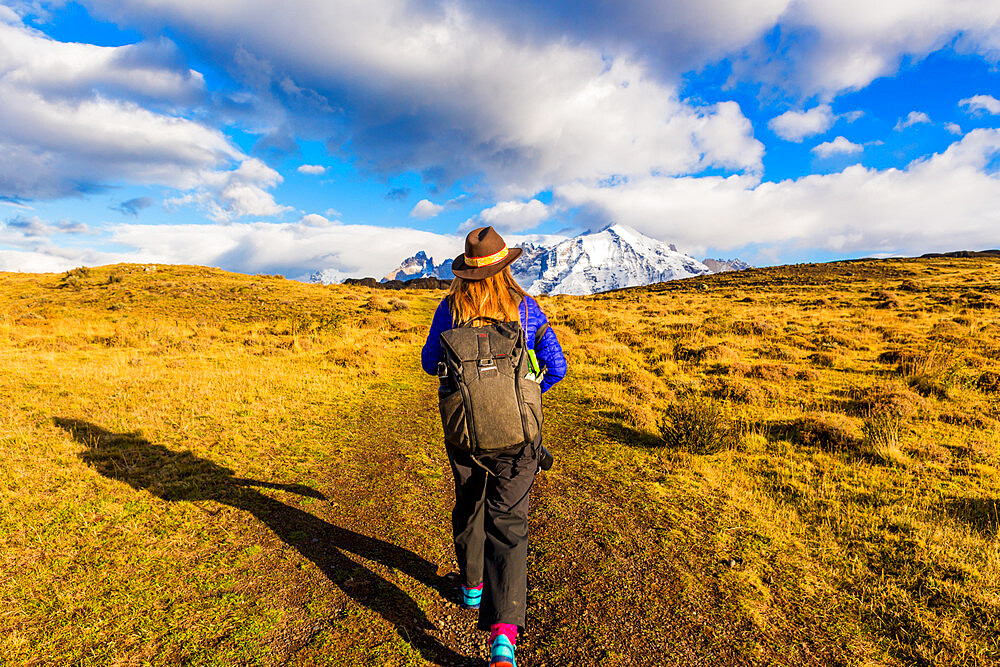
[549, 352]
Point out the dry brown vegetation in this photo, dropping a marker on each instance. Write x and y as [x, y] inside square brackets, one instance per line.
[794, 465]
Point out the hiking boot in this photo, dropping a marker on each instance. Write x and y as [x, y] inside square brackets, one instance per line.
[502, 653]
[471, 597]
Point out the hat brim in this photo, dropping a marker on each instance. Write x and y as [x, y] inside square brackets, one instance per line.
[463, 270]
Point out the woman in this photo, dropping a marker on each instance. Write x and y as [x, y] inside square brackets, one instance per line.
[490, 519]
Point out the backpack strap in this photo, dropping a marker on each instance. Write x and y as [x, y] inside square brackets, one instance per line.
[539, 333]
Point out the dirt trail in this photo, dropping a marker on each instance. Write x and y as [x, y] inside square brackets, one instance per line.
[605, 585]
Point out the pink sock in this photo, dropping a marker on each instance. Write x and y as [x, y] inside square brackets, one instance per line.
[498, 629]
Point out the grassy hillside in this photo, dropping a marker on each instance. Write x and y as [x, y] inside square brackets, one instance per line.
[785, 466]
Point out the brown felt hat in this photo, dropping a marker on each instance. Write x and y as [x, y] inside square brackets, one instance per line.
[485, 254]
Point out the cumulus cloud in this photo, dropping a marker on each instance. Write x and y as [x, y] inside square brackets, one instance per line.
[950, 200]
[425, 208]
[981, 104]
[77, 118]
[912, 118]
[311, 169]
[294, 250]
[826, 48]
[953, 128]
[228, 195]
[510, 216]
[797, 125]
[438, 90]
[839, 146]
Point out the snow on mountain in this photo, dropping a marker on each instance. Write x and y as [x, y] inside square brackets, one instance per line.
[328, 277]
[614, 257]
[724, 265]
[420, 266]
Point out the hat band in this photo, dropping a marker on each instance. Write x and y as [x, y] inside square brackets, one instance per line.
[479, 262]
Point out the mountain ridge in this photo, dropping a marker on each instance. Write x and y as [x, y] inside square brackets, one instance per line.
[614, 257]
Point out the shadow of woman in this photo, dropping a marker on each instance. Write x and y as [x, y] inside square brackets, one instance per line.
[129, 458]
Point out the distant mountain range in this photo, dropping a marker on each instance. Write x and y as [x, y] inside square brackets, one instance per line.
[612, 258]
[421, 266]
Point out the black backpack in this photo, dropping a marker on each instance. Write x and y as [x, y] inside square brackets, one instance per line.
[490, 401]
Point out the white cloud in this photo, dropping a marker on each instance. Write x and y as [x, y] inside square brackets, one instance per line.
[981, 104]
[839, 146]
[294, 250]
[425, 208]
[797, 125]
[228, 195]
[77, 118]
[953, 128]
[36, 226]
[9, 16]
[830, 47]
[945, 202]
[510, 216]
[912, 118]
[316, 220]
[460, 95]
[311, 169]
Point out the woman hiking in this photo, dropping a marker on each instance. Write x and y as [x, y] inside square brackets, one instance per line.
[490, 518]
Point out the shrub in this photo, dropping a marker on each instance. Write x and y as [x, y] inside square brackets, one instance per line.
[720, 353]
[824, 359]
[887, 301]
[740, 391]
[909, 286]
[779, 352]
[690, 353]
[694, 423]
[73, 279]
[379, 303]
[395, 303]
[772, 372]
[756, 327]
[989, 383]
[898, 356]
[930, 374]
[893, 400]
[826, 430]
[881, 431]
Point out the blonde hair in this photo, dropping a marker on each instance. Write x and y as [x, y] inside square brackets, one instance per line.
[490, 297]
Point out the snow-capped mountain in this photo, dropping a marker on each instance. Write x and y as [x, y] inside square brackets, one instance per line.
[328, 276]
[421, 266]
[724, 265]
[614, 257]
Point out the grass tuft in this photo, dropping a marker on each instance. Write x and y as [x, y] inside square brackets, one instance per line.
[694, 423]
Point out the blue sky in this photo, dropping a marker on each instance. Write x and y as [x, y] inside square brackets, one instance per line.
[310, 135]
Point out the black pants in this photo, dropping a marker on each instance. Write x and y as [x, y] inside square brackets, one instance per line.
[490, 527]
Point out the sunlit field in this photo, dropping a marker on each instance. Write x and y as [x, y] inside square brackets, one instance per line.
[794, 465]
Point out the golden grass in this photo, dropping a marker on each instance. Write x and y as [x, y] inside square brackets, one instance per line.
[208, 468]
